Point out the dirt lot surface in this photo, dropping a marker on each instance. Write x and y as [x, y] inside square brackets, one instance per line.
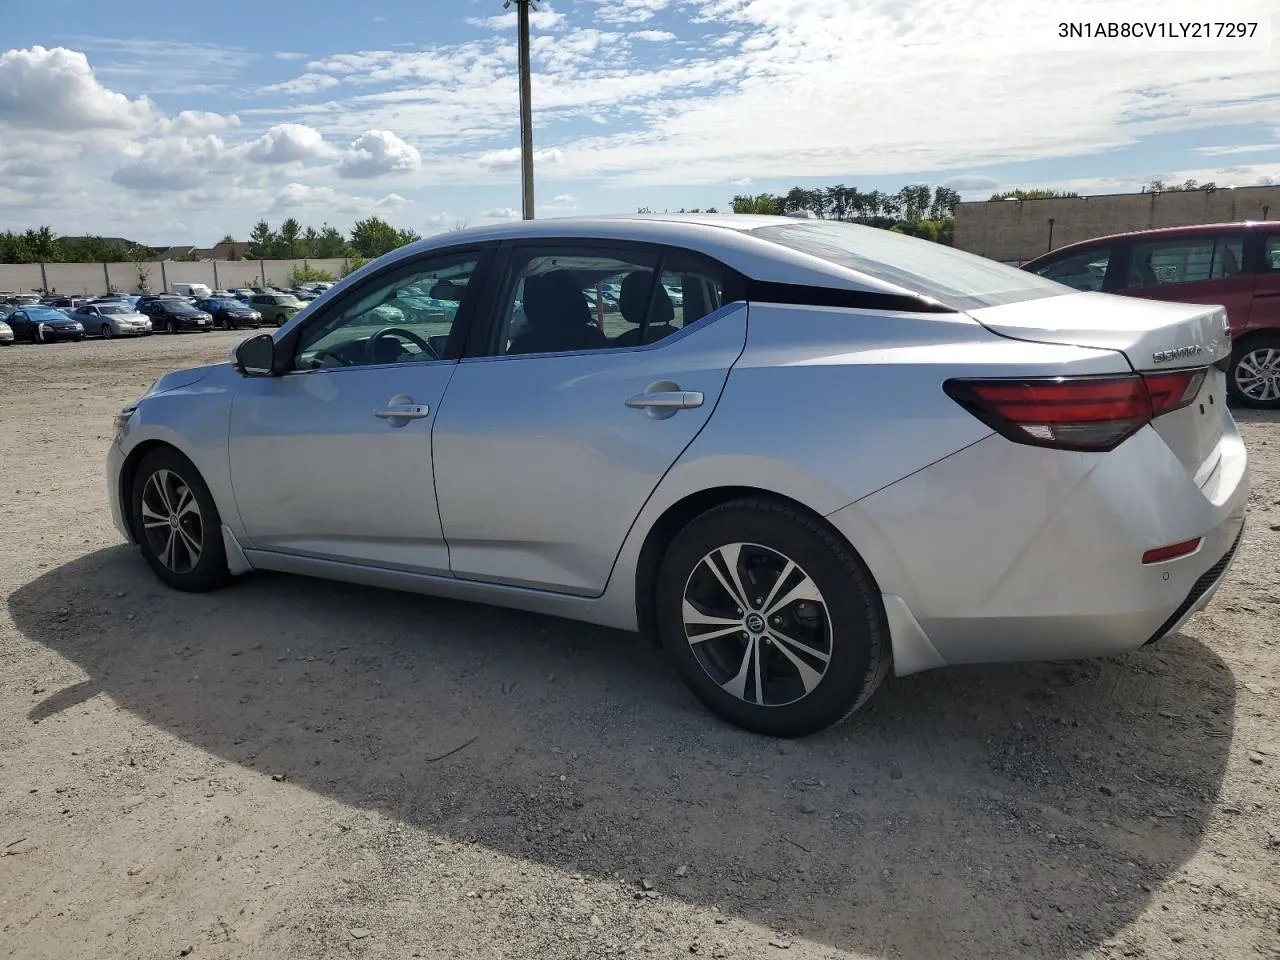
[297, 769]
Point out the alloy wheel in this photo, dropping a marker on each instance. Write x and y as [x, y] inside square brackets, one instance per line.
[1257, 374]
[171, 521]
[106, 331]
[758, 624]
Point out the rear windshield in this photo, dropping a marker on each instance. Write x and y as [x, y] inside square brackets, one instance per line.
[962, 281]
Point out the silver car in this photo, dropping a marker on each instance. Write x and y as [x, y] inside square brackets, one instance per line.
[845, 452]
[6, 333]
[112, 318]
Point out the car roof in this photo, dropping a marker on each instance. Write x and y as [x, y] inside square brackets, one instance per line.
[1156, 233]
[724, 236]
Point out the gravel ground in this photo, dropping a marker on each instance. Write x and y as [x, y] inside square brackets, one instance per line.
[298, 769]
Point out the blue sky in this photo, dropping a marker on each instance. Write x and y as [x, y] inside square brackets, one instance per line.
[178, 123]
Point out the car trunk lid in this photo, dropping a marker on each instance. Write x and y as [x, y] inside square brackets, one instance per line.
[1155, 337]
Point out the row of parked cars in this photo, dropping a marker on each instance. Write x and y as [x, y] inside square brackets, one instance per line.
[29, 317]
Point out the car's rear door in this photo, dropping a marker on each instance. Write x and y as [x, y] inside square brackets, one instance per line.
[1199, 267]
[544, 458]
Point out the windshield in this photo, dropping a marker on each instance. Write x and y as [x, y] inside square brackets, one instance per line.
[45, 313]
[177, 306]
[963, 281]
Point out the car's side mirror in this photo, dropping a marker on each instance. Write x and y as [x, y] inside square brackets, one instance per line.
[256, 357]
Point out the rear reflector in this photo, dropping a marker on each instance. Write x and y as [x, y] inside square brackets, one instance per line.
[1172, 552]
[1075, 413]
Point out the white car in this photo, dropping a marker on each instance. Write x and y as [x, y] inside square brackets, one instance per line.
[6, 334]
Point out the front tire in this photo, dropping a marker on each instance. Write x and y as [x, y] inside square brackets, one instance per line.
[1254, 378]
[770, 619]
[176, 523]
[106, 331]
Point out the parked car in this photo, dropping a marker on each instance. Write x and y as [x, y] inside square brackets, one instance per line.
[1236, 265]
[910, 457]
[277, 308]
[224, 295]
[6, 334]
[194, 291]
[170, 315]
[230, 314]
[242, 293]
[64, 303]
[112, 318]
[22, 299]
[40, 324]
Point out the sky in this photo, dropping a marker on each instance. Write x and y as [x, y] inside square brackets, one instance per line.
[177, 123]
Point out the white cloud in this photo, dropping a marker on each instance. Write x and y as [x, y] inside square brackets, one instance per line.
[563, 201]
[304, 84]
[971, 181]
[378, 152]
[654, 36]
[288, 143]
[629, 11]
[55, 89]
[199, 121]
[290, 55]
[501, 213]
[171, 163]
[543, 18]
[741, 182]
[509, 159]
[300, 197]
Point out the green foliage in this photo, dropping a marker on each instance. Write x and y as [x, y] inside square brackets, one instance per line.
[1159, 186]
[761, 203]
[917, 210]
[308, 274]
[262, 241]
[373, 237]
[352, 264]
[1020, 194]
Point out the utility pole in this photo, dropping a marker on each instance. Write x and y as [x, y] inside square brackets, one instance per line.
[526, 106]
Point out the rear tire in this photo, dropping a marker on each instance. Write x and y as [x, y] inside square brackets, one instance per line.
[1254, 377]
[806, 646]
[186, 553]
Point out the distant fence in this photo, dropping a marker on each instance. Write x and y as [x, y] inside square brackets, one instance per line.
[97, 279]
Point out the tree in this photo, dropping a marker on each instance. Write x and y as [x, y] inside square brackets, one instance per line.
[761, 203]
[310, 240]
[308, 274]
[374, 237]
[945, 201]
[289, 245]
[330, 244]
[914, 200]
[262, 241]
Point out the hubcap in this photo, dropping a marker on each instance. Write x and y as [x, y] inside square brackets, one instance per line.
[1257, 374]
[758, 624]
[171, 521]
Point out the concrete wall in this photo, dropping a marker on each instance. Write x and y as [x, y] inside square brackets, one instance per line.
[1019, 229]
[91, 279]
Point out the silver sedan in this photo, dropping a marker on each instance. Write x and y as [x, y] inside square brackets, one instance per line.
[836, 452]
[111, 318]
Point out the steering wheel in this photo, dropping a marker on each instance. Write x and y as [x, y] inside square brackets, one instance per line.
[402, 334]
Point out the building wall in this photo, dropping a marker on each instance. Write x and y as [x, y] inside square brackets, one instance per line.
[1018, 230]
[91, 279]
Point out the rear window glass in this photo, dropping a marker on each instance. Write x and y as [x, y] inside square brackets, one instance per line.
[955, 279]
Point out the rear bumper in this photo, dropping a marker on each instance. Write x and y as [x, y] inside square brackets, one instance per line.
[1004, 552]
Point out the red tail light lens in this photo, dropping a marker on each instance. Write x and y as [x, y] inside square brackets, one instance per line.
[1075, 413]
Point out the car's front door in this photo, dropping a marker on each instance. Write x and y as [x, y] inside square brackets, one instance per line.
[332, 460]
[1265, 312]
[550, 442]
[1196, 268]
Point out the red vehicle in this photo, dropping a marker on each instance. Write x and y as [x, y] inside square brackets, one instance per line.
[1236, 265]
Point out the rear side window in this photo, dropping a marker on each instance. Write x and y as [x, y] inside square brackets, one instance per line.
[1271, 253]
[1080, 271]
[1196, 259]
[952, 277]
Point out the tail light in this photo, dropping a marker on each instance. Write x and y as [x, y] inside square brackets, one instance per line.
[1075, 413]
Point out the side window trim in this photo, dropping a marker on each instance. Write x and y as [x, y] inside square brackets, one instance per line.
[459, 331]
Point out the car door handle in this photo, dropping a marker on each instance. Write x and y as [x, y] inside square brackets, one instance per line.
[666, 400]
[403, 411]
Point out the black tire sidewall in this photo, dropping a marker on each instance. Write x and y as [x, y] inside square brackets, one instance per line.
[1253, 343]
[211, 570]
[859, 640]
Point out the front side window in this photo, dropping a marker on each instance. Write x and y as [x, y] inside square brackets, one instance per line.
[406, 316]
[1189, 260]
[1080, 271]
